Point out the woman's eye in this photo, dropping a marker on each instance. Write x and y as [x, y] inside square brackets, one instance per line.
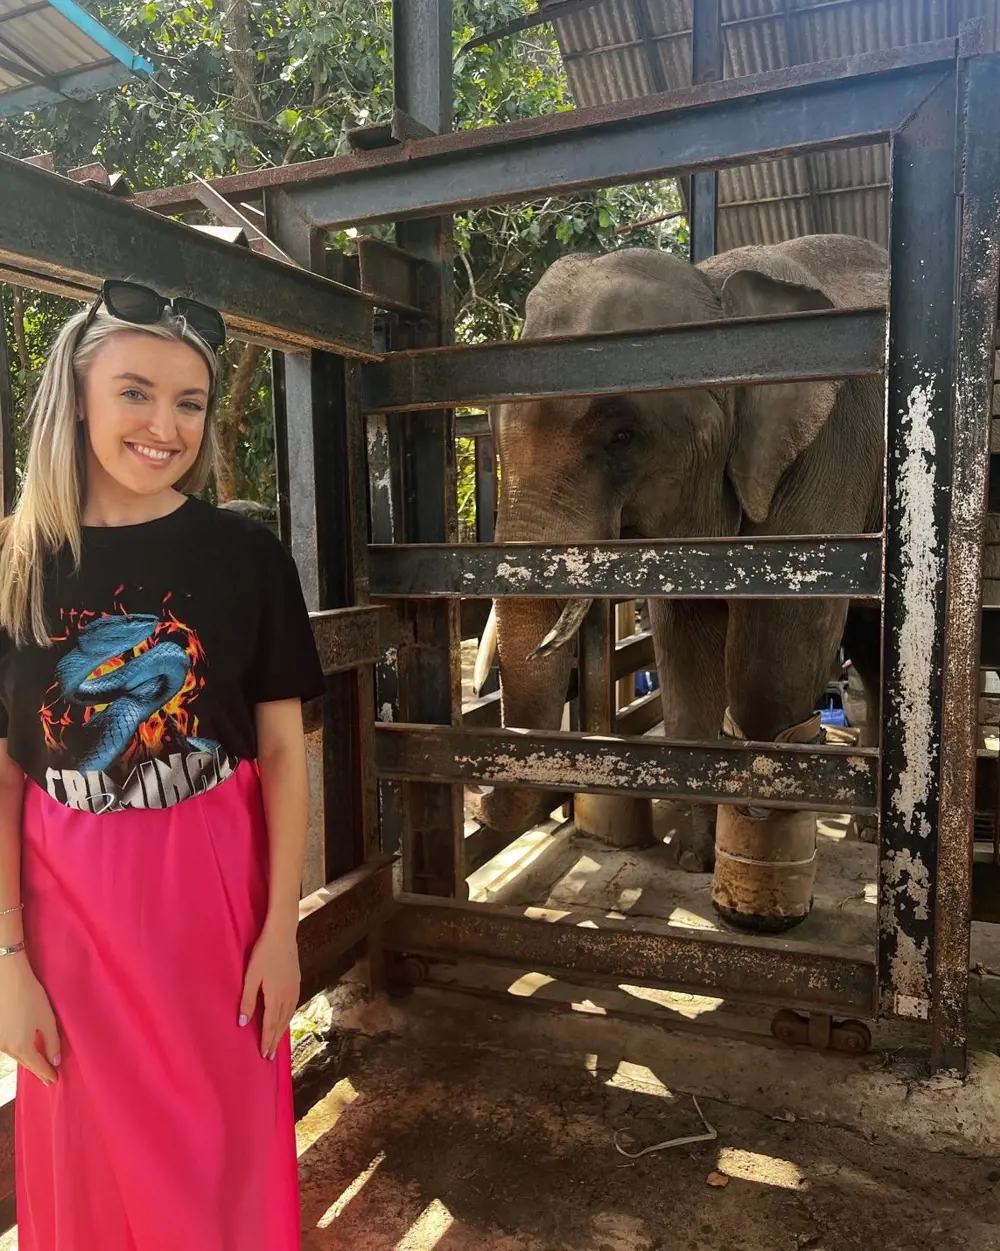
[132, 394]
[192, 406]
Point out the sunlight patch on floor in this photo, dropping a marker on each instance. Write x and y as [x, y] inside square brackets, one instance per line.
[766, 1170]
[690, 1006]
[322, 1116]
[629, 1076]
[339, 1205]
[428, 1229]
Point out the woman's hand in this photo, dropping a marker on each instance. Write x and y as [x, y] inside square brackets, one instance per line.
[274, 970]
[28, 1031]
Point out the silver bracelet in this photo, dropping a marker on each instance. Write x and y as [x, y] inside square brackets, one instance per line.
[5, 912]
[12, 951]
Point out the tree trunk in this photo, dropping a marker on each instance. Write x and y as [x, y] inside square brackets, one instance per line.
[232, 418]
[21, 340]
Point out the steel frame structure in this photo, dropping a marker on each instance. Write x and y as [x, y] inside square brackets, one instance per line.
[366, 438]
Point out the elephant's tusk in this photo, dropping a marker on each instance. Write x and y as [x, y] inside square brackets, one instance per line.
[487, 650]
[570, 620]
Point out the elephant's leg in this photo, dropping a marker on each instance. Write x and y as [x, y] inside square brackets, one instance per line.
[689, 638]
[778, 658]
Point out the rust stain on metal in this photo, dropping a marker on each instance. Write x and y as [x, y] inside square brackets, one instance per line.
[183, 199]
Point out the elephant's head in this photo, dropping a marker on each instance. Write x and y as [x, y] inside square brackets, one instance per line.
[691, 463]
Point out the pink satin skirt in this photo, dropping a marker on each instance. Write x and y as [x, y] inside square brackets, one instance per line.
[167, 1130]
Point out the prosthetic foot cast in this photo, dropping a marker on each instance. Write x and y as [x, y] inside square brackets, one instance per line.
[765, 860]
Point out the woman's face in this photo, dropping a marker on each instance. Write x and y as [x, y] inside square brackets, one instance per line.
[144, 406]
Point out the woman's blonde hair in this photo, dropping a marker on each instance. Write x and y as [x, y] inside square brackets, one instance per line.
[47, 515]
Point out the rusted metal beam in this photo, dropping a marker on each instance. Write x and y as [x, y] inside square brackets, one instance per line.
[832, 103]
[738, 968]
[59, 236]
[347, 637]
[678, 569]
[840, 344]
[707, 53]
[335, 918]
[395, 279]
[923, 233]
[975, 320]
[640, 715]
[633, 654]
[828, 779]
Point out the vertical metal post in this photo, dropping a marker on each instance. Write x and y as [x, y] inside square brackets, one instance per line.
[918, 460]
[8, 477]
[316, 413]
[430, 671]
[979, 269]
[596, 669]
[706, 66]
[486, 488]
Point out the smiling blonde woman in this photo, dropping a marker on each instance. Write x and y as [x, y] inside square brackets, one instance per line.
[154, 655]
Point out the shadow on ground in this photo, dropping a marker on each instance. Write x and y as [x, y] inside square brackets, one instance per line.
[463, 1149]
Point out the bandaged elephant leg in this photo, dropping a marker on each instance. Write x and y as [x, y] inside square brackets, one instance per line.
[765, 868]
[614, 820]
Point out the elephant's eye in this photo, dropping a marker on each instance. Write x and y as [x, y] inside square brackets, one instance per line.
[621, 437]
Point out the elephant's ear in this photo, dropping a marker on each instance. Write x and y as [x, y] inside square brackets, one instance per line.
[774, 424]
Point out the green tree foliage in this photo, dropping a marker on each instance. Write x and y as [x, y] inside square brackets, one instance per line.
[246, 83]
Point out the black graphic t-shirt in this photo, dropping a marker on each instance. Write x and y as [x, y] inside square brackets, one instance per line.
[164, 641]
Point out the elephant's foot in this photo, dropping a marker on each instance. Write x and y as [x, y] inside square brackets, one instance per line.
[615, 820]
[693, 843]
[765, 869]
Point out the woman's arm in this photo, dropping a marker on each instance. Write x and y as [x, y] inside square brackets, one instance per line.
[274, 966]
[25, 1011]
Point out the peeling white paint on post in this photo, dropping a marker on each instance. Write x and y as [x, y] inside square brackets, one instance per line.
[904, 873]
[380, 468]
[922, 560]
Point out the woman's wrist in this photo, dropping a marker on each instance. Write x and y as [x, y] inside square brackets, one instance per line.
[282, 919]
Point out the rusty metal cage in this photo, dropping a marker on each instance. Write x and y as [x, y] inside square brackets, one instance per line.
[366, 447]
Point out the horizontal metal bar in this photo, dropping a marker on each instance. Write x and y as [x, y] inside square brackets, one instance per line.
[484, 711]
[755, 568]
[840, 344]
[336, 917]
[853, 100]
[640, 716]
[394, 278]
[828, 779]
[347, 637]
[738, 967]
[59, 236]
[634, 653]
[783, 115]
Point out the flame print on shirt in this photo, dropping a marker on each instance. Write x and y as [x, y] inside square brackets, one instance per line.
[125, 691]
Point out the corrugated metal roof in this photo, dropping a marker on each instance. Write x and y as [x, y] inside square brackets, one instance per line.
[52, 50]
[620, 49]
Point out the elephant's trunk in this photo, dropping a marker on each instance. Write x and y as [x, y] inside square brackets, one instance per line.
[535, 659]
[533, 695]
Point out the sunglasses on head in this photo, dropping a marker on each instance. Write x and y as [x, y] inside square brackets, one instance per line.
[142, 306]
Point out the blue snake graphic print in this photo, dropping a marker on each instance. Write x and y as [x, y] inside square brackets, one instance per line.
[128, 695]
[120, 719]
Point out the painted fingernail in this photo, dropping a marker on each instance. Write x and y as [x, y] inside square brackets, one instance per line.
[273, 1054]
[57, 1060]
[244, 1019]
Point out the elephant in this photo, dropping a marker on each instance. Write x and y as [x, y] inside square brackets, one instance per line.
[803, 458]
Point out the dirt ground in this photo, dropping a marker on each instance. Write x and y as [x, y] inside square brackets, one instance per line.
[464, 1149]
